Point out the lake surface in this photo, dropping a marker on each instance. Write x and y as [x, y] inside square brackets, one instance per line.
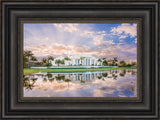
[114, 83]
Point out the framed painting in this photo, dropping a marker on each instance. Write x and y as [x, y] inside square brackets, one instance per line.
[80, 59]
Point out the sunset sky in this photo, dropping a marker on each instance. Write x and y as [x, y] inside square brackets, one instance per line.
[103, 40]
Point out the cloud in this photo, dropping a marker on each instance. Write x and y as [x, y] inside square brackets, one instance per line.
[135, 40]
[125, 28]
[67, 27]
[123, 36]
[96, 36]
[123, 52]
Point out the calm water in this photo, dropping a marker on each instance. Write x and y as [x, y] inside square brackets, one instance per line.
[115, 83]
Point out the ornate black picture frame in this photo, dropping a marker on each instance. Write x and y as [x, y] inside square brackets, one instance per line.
[15, 12]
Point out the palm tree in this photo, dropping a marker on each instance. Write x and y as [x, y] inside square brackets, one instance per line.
[49, 64]
[51, 79]
[33, 58]
[67, 80]
[114, 76]
[104, 74]
[49, 75]
[50, 58]
[44, 79]
[29, 54]
[59, 77]
[103, 58]
[115, 60]
[39, 63]
[123, 73]
[44, 60]
[58, 61]
[105, 63]
[100, 60]
[67, 58]
[82, 58]
[25, 60]
[62, 62]
[122, 63]
[29, 83]
[133, 63]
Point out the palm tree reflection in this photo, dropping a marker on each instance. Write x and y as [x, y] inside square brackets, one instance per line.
[60, 77]
[44, 79]
[114, 76]
[49, 75]
[133, 72]
[104, 74]
[67, 80]
[51, 80]
[29, 83]
[122, 73]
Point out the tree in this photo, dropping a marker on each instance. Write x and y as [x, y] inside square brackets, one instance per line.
[114, 61]
[133, 63]
[67, 58]
[50, 58]
[28, 54]
[129, 65]
[100, 60]
[25, 60]
[49, 64]
[39, 63]
[33, 58]
[62, 62]
[122, 63]
[58, 61]
[44, 60]
[105, 63]
[103, 58]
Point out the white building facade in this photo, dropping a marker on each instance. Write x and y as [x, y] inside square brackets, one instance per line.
[78, 60]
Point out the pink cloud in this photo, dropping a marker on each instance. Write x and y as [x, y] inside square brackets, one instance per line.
[108, 51]
[67, 27]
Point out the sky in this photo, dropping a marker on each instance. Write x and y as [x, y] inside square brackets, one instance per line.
[102, 40]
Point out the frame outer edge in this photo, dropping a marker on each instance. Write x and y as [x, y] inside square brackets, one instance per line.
[2, 60]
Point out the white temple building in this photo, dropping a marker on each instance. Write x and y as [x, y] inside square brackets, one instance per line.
[78, 60]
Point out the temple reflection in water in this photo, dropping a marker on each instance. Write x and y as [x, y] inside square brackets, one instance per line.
[78, 81]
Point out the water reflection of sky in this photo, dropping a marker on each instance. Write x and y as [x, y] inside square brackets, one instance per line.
[117, 83]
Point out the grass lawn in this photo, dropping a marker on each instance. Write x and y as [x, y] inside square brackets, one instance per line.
[55, 70]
